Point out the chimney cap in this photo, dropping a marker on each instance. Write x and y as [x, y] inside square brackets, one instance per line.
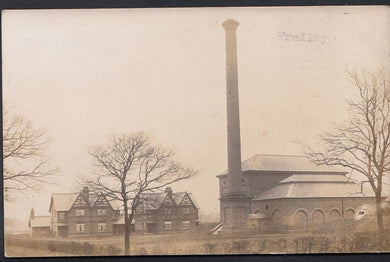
[230, 24]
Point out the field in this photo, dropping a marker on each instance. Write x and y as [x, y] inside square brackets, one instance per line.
[197, 242]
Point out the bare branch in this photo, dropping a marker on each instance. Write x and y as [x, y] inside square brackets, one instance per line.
[129, 166]
[23, 148]
[362, 143]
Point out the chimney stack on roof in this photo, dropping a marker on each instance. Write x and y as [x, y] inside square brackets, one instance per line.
[168, 190]
[32, 214]
[85, 193]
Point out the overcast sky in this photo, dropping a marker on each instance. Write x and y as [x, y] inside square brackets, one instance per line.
[86, 74]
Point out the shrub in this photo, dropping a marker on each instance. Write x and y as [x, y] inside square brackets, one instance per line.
[142, 251]
[282, 244]
[157, 250]
[240, 246]
[210, 247]
[323, 245]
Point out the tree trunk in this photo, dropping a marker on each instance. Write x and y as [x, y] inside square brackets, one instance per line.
[379, 218]
[127, 232]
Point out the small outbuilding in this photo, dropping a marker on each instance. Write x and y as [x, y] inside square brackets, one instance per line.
[39, 225]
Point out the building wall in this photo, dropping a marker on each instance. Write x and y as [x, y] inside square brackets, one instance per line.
[290, 213]
[254, 183]
[174, 214]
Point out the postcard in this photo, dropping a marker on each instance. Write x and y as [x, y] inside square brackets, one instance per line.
[196, 131]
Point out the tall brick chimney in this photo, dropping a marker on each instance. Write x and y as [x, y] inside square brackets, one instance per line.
[233, 116]
[234, 205]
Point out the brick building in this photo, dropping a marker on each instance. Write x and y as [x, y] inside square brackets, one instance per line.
[81, 214]
[166, 212]
[289, 193]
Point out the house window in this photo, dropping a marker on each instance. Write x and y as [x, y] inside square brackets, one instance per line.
[80, 228]
[101, 212]
[186, 224]
[186, 210]
[167, 225]
[61, 216]
[102, 227]
[80, 212]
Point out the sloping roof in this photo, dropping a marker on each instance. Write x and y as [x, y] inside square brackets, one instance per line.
[154, 200]
[318, 178]
[313, 189]
[40, 221]
[63, 201]
[193, 200]
[283, 163]
[116, 204]
[178, 197]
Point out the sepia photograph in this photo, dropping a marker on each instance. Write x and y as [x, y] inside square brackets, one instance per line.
[196, 131]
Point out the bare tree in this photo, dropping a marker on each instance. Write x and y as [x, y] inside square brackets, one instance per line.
[362, 143]
[130, 166]
[23, 155]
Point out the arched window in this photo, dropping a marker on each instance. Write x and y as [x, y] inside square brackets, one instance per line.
[334, 214]
[277, 217]
[350, 213]
[318, 218]
[301, 220]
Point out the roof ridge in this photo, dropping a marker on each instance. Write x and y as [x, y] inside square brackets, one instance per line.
[66, 193]
[279, 155]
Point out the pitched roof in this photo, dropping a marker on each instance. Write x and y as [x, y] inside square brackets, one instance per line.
[153, 201]
[40, 221]
[283, 163]
[318, 178]
[313, 186]
[193, 200]
[63, 201]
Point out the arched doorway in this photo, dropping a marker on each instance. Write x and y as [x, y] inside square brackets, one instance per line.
[301, 220]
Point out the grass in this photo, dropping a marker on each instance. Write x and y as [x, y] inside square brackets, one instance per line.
[197, 242]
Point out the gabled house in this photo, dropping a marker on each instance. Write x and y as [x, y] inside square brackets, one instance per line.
[166, 212]
[81, 214]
